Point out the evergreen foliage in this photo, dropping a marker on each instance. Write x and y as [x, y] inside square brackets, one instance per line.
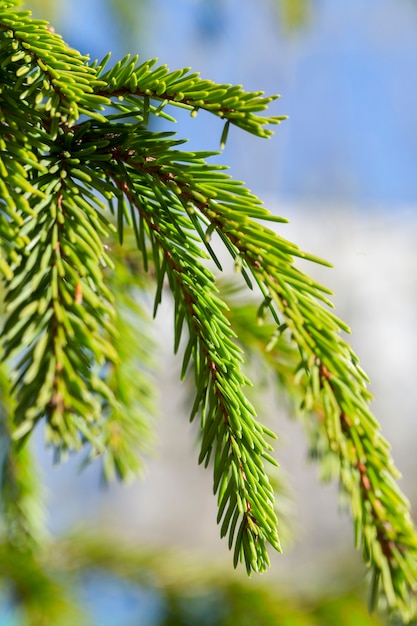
[82, 174]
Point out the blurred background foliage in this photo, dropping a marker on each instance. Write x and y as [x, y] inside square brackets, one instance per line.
[128, 13]
[87, 580]
[80, 580]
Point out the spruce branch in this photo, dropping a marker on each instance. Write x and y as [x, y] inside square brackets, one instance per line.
[140, 84]
[58, 315]
[58, 172]
[361, 460]
[334, 379]
[333, 375]
[56, 80]
[230, 431]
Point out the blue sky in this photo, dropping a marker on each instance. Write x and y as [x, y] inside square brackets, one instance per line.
[348, 83]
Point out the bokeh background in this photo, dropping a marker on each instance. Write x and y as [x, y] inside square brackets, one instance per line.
[342, 169]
